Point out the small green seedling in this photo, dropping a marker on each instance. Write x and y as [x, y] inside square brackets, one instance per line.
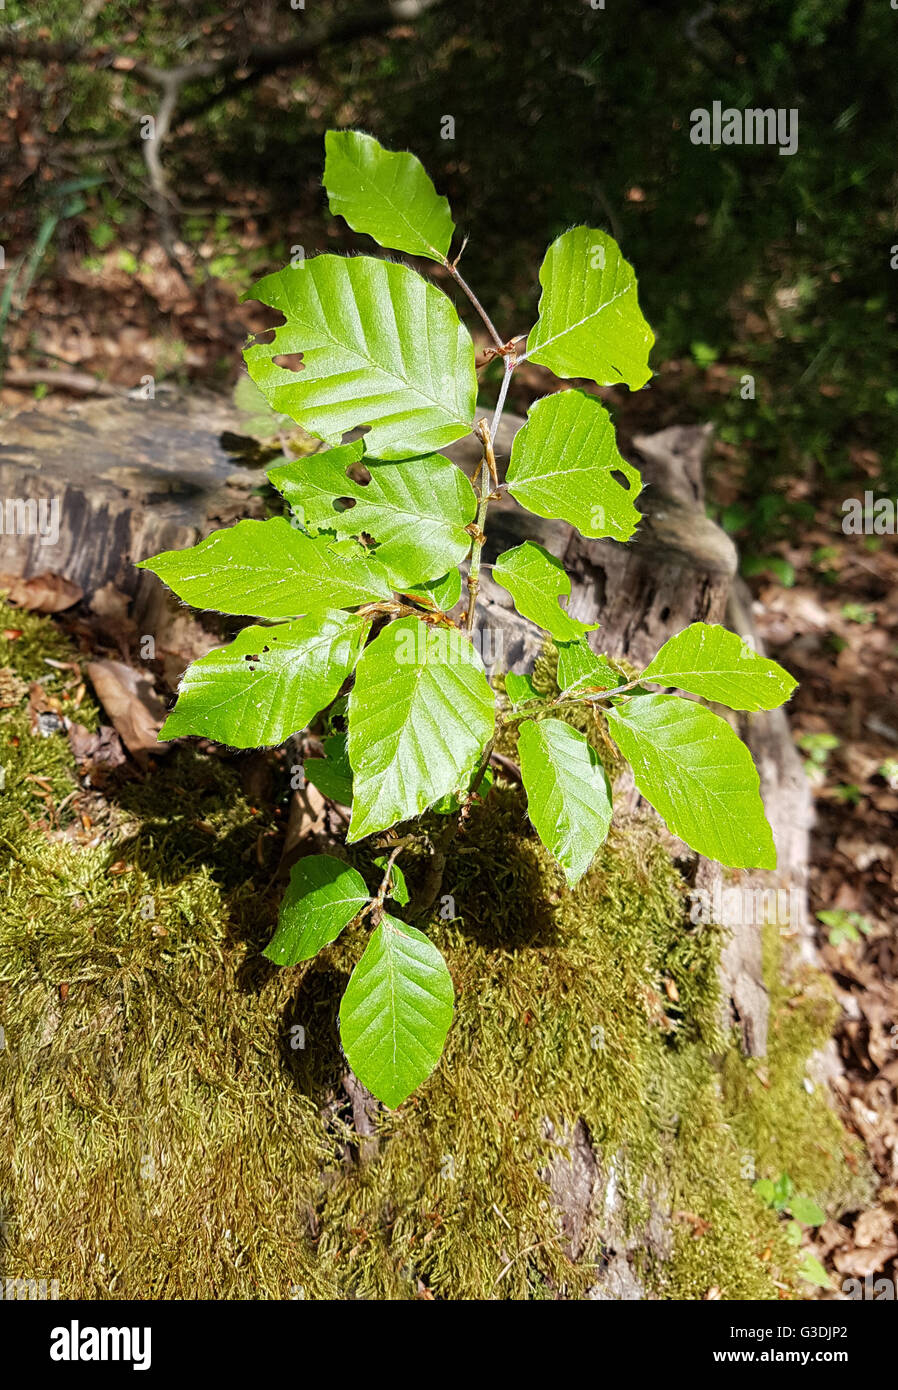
[779, 1194]
[361, 592]
[844, 926]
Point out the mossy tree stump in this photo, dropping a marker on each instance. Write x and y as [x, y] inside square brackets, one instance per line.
[137, 476]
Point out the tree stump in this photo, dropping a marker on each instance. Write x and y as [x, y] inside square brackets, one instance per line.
[131, 477]
[134, 477]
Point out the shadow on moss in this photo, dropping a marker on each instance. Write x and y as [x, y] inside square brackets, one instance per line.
[172, 1118]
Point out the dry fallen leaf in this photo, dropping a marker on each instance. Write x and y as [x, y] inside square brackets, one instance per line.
[43, 593]
[12, 690]
[869, 1260]
[102, 749]
[874, 1227]
[131, 703]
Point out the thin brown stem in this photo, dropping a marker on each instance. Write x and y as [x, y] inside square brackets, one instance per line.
[460, 280]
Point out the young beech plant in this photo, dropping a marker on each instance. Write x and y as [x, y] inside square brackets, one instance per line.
[362, 592]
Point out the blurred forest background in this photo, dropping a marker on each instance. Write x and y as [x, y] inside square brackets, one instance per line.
[748, 261]
[127, 258]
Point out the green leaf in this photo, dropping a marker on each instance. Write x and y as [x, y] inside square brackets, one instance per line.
[519, 688]
[590, 323]
[812, 1270]
[398, 887]
[396, 1011]
[708, 660]
[259, 420]
[536, 580]
[782, 1191]
[380, 347]
[565, 464]
[766, 1191]
[420, 715]
[807, 1211]
[323, 896]
[691, 766]
[417, 511]
[793, 1234]
[441, 594]
[450, 805]
[568, 794]
[580, 669]
[269, 682]
[271, 570]
[385, 194]
[332, 774]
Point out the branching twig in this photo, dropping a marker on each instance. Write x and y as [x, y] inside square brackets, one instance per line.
[452, 267]
[240, 71]
[488, 478]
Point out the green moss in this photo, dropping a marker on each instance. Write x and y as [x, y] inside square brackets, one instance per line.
[781, 1115]
[172, 1121]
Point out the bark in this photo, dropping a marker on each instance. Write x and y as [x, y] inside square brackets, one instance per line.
[132, 477]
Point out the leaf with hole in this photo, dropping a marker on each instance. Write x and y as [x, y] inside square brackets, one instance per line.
[695, 771]
[565, 464]
[269, 682]
[271, 570]
[536, 580]
[396, 1011]
[380, 347]
[386, 194]
[568, 793]
[322, 897]
[420, 715]
[590, 323]
[416, 511]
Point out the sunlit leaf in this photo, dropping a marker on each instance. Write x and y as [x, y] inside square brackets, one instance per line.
[580, 669]
[565, 464]
[269, 682]
[420, 715]
[695, 771]
[396, 1011]
[416, 511]
[536, 580]
[380, 347]
[386, 194]
[323, 896]
[568, 793]
[590, 323]
[268, 569]
[711, 661]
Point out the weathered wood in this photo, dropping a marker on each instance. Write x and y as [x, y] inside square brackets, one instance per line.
[131, 477]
